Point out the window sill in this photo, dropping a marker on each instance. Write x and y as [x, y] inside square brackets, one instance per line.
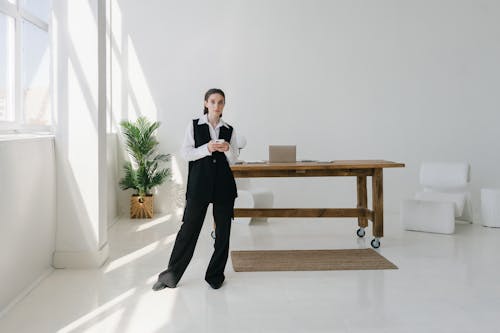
[25, 136]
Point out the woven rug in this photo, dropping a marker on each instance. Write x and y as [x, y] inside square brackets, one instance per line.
[309, 260]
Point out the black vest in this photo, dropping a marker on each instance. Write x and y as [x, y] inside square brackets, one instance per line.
[210, 178]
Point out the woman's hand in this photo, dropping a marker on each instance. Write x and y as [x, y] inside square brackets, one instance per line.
[223, 147]
[214, 146]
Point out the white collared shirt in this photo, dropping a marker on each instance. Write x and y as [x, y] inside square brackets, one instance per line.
[190, 153]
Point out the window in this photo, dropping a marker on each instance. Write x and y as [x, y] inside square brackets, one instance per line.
[35, 75]
[6, 61]
[3, 67]
[39, 8]
[24, 64]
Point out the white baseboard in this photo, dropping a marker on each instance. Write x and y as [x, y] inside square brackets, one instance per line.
[81, 259]
[26, 291]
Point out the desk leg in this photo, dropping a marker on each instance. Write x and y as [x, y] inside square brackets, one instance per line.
[362, 200]
[378, 203]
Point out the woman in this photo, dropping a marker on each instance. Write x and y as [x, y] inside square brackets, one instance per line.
[210, 180]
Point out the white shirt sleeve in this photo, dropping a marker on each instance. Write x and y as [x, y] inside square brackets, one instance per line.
[188, 151]
[233, 152]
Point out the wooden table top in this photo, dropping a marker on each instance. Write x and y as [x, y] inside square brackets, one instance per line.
[339, 164]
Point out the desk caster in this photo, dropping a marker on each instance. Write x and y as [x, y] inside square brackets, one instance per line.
[375, 243]
[361, 232]
[213, 234]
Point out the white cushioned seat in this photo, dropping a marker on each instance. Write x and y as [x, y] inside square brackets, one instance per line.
[458, 199]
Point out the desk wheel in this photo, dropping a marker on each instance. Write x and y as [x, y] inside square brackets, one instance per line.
[361, 232]
[375, 243]
[213, 234]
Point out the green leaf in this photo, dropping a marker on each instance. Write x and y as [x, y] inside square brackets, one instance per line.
[141, 144]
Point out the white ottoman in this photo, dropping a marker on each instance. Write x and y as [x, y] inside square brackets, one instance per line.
[428, 216]
[490, 207]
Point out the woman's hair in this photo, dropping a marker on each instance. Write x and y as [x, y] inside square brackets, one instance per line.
[211, 92]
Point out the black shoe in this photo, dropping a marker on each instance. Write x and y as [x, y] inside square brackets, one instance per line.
[216, 285]
[159, 285]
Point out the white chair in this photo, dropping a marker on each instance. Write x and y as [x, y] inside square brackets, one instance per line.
[445, 197]
[249, 196]
[252, 197]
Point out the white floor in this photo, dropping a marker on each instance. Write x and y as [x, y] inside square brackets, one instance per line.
[443, 284]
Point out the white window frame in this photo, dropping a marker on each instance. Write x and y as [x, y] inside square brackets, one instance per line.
[19, 15]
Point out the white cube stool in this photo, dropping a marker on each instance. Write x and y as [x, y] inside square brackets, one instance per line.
[428, 216]
[490, 207]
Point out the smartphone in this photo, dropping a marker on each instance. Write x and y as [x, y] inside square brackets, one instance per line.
[219, 141]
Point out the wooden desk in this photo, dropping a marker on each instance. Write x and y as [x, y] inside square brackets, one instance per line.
[356, 168]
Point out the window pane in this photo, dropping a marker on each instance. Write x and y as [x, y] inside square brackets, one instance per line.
[35, 75]
[39, 8]
[6, 68]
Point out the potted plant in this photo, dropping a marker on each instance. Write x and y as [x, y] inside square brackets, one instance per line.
[142, 173]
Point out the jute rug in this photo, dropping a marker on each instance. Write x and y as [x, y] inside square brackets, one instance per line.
[308, 260]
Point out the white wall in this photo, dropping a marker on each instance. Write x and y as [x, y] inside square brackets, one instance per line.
[27, 214]
[406, 81]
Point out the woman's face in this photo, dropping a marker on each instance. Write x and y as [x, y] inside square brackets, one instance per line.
[215, 104]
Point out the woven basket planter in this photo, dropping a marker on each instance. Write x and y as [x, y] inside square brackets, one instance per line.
[141, 207]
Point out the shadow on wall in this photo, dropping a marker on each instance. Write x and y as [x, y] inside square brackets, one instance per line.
[130, 99]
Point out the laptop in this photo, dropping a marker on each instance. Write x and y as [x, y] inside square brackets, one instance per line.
[282, 154]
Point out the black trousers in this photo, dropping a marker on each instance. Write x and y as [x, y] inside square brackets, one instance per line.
[187, 237]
